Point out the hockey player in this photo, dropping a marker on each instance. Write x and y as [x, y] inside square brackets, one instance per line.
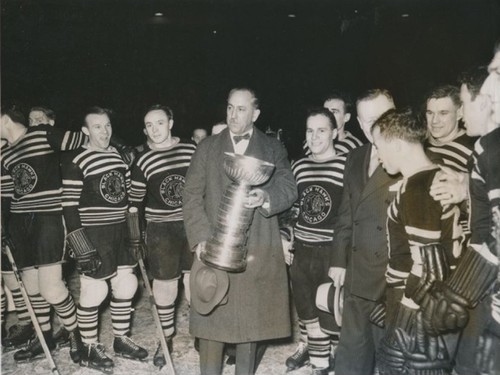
[35, 224]
[424, 242]
[158, 177]
[95, 183]
[319, 179]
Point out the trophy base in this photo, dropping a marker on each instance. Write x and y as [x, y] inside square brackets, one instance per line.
[223, 265]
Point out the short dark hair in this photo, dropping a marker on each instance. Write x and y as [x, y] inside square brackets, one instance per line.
[255, 98]
[401, 124]
[14, 113]
[96, 110]
[473, 79]
[340, 95]
[318, 111]
[160, 107]
[49, 113]
[371, 94]
[445, 91]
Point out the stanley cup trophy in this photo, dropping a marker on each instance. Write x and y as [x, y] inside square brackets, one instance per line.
[226, 249]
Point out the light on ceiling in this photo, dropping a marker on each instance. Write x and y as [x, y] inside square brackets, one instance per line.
[158, 14]
[291, 15]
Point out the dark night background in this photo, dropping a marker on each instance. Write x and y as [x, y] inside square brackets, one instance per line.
[69, 55]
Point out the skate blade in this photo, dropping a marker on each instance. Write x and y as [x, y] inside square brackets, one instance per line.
[61, 345]
[126, 356]
[105, 370]
[32, 359]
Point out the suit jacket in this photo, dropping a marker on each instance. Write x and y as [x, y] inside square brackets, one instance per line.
[258, 298]
[360, 237]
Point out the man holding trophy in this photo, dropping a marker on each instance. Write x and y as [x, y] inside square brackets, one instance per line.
[237, 183]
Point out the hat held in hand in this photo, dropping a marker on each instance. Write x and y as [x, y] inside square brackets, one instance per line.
[331, 300]
[209, 286]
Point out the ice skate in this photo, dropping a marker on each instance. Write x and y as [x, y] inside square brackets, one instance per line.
[34, 349]
[93, 356]
[18, 336]
[126, 348]
[298, 359]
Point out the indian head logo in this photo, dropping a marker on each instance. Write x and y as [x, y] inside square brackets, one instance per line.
[315, 203]
[112, 186]
[171, 190]
[24, 177]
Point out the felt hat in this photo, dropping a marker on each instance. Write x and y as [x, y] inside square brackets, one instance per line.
[209, 286]
[331, 300]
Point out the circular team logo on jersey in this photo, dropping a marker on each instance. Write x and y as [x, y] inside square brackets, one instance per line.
[24, 177]
[112, 186]
[171, 190]
[316, 204]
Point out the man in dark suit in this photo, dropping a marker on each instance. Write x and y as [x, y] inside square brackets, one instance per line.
[359, 256]
[257, 306]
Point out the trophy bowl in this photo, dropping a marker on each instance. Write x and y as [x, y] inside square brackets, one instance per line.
[247, 170]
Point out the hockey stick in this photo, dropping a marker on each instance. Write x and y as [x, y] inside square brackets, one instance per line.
[38, 330]
[156, 317]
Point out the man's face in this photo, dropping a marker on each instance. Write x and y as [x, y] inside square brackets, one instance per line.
[157, 126]
[241, 114]
[491, 88]
[337, 107]
[199, 135]
[98, 130]
[387, 152]
[442, 118]
[319, 135]
[38, 117]
[370, 110]
[476, 112]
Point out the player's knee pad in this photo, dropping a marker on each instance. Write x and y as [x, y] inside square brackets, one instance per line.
[92, 291]
[165, 291]
[51, 284]
[30, 281]
[10, 281]
[124, 284]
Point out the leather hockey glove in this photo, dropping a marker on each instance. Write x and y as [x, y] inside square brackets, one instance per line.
[423, 354]
[390, 355]
[128, 153]
[377, 316]
[87, 259]
[445, 308]
[135, 243]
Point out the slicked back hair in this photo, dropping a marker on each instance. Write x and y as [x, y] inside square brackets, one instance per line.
[372, 94]
[96, 110]
[318, 111]
[340, 95]
[255, 99]
[445, 91]
[401, 124]
[160, 107]
[49, 113]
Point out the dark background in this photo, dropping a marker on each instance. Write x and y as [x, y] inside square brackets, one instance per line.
[69, 55]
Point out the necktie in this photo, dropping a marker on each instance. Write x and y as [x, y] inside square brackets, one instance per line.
[238, 138]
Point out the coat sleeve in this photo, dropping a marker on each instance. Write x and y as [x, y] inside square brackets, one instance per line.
[195, 217]
[281, 188]
[342, 229]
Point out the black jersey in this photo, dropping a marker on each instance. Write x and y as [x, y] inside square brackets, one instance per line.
[320, 186]
[158, 177]
[485, 186]
[31, 168]
[414, 220]
[95, 188]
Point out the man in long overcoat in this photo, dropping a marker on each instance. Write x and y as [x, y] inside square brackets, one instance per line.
[257, 306]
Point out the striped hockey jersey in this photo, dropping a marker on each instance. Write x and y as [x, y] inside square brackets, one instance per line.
[414, 220]
[320, 187]
[158, 178]
[95, 188]
[30, 168]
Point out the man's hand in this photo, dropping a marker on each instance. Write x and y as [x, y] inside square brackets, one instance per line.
[449, 186]
[137, 248]
[200, 248]
[337, 274]
[257, 198]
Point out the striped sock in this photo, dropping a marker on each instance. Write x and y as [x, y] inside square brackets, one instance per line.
[4, 305]
[167, 317]
[88, 323]
[121, 313]
[67, 312]
[303, 332]
[42, 311]
[318, 345]
[23, 315]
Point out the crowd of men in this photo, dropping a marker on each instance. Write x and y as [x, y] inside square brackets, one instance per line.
[404, 231]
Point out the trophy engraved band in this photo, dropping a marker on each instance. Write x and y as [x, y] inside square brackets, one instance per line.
[226, 249]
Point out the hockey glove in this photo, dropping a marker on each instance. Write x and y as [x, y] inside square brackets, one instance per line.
[87, 259]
